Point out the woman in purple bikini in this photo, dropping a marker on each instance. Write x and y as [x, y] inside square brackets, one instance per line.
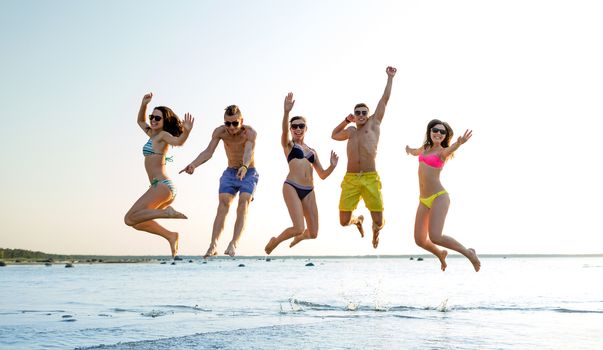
[434, 200]
[298, 189]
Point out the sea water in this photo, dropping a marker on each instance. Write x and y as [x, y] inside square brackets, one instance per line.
[339, 303]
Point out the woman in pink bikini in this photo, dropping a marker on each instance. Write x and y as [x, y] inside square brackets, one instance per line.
[434, 200]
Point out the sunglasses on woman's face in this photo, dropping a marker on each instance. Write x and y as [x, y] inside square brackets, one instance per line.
[359, 113]
[298, 126]
[437, 130]
[235, 124]
[155, 117]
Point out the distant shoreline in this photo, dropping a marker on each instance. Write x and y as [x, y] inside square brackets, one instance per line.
[135, 259]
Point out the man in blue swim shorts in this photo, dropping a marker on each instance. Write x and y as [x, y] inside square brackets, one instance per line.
[240, 176]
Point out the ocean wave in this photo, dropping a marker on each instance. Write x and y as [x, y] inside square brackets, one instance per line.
[442, 307]
[195, 308]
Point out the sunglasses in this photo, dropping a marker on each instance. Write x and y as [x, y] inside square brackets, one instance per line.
[359, 113]
[155, 117]
[298, 126]
[441, 131]
[235, 124]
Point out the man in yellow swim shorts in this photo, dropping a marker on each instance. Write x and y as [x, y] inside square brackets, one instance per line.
[361, 179]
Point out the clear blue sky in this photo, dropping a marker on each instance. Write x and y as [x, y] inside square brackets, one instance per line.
[526, 76]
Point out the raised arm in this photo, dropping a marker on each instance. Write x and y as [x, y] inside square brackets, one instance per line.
[187, 126]
[324, 173]
[286, 137]
[206, 154]
[460, 141]
[142, 114]
[247, 153]
[380, 111]
[341, 133]
[413, 151]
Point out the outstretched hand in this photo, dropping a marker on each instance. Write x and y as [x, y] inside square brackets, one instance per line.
[407, 149]
[189, 169]
[334, 159]
[188, 122]
[147, 98]
[289, 102]
[465, 137]
[391, 71]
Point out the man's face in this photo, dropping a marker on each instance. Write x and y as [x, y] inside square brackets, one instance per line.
[233, 124]
[361, 115]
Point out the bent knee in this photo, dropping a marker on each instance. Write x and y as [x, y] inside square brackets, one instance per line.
[128, 220]
[313, 234]
[421, 242]
[436, 240]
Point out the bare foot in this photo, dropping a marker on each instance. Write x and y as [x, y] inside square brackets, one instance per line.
[442, 258]
[376, 230]
[474, 260]
[173, 214]
[210, 252]
[359, 221]
[231, 249]
[174, 244]
[270, 246]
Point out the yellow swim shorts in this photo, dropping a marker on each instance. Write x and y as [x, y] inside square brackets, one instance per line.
[365, 185]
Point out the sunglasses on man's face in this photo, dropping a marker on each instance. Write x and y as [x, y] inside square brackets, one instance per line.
[298, 126]
[155, 117]
[235, 124]
[359, 113]
[437, 130]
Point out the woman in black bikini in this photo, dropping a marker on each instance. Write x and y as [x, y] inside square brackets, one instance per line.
[298, 187]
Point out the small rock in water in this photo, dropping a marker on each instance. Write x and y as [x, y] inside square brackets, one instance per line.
[205, 262]
[66, 316]
[411, 258]
[241, 265]
[69, 265]
[2, 263]
[47, 264]
[162, 263]
[310, 264]
[190, 261]
[173, 263]
[268, 259]
[419, 259]
[177, 258]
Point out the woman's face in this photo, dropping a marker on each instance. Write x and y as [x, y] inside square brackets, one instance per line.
[298, 129]
[156, 120]
[438, 134]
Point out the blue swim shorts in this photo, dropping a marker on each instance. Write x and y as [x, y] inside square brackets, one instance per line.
[229, 183]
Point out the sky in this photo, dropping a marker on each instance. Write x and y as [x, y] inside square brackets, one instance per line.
[525, 76]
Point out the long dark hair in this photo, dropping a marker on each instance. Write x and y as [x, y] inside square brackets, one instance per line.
[428, 143]
[171, 122]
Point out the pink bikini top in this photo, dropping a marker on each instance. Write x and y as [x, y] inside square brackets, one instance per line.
[433, 160]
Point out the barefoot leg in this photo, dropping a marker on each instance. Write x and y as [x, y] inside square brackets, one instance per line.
[472, 256]
[378, 223]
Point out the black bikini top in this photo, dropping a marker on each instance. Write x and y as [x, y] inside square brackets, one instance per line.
[297, 152]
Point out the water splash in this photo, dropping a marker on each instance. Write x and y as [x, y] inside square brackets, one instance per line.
[351, 306]
[443, 307]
